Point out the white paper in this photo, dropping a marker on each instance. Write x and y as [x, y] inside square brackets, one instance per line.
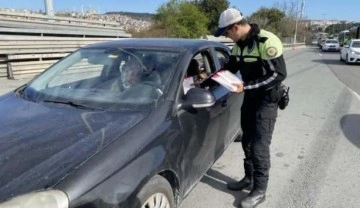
[227, 79]
[188, 83]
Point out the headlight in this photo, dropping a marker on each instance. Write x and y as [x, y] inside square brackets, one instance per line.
[42, 199]
[353, 52]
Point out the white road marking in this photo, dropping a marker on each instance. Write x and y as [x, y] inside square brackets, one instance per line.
[354, 93]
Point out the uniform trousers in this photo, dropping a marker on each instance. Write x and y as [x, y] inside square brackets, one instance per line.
[258, 117]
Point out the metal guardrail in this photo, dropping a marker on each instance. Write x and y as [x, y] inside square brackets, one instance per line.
[293, 45]
[30, 43]
[26, 56]
[286, 45]
[64, 32]
[29, 69]
[10, 45]
[40, 17]
[230, 43]
[22, 23]
[3, 70]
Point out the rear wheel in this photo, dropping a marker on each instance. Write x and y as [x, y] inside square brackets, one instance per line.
[157, 192]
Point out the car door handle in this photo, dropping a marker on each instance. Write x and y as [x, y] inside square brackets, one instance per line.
[224, 103]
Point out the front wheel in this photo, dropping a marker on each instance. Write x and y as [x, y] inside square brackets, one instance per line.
[157, 192]
[347, 59]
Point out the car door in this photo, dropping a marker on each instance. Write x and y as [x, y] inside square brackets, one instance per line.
[230, 122]
[201, 129]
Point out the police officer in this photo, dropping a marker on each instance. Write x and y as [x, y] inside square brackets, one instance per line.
[258, 55]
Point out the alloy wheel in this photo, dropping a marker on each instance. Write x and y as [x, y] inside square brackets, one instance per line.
[158, 200]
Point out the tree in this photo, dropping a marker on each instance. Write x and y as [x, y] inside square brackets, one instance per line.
[287, 26]
[268, 18]
[212, 9]
[180, 19]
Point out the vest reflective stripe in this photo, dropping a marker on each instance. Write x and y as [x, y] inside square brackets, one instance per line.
[250, 59]
[257, 59]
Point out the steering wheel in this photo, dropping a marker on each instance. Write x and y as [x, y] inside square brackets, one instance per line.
[157, 87]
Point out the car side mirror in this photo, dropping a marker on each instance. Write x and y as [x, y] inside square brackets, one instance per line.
[346, 46]
[197, 98]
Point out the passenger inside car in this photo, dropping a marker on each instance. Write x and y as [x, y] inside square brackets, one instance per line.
[194, 75]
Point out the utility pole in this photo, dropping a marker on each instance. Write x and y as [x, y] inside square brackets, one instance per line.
[296, 21]
[49, 7]
[297, 16]
[302, 9]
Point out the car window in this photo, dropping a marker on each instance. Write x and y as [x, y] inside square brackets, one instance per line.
[199, 68]
[356, 44]
[78, 71]
[332, 41]
[222, 56]
[107, 78]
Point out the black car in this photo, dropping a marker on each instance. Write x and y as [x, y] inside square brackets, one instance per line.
[117, 124]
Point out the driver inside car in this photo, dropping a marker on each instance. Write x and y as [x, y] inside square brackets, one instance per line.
[133, 83]
[131, 74]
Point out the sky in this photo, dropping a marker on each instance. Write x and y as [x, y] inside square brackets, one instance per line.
[314, 9]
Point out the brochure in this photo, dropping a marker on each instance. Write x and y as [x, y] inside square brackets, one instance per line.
[227, 79]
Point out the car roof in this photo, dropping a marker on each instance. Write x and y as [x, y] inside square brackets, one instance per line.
[164, 43]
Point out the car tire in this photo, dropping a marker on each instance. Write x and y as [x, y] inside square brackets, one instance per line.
[157, 192]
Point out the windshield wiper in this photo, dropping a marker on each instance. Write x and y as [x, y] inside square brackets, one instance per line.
[20, 90]
[70, 103]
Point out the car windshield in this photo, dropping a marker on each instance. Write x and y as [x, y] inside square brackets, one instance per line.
[356, 44]
[107, 79]
[332, 41]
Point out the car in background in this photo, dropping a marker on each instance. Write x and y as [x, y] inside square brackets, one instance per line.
[321, 43]
[350, 53]
[331, 45]
[111, 125]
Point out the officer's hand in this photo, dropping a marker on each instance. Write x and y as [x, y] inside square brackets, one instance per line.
[240, 87]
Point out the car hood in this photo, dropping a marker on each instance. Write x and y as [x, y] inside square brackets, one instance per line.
[42, 143]
[355, 49]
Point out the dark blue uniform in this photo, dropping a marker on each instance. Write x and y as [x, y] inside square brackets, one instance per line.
[261, 63]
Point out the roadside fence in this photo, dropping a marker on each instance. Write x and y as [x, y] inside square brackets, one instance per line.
[26, 56]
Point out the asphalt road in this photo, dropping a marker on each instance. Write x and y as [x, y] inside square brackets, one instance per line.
[316, 144]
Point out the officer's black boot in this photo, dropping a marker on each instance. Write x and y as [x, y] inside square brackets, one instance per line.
[247, 181]
[257, 194]
[255, 197]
